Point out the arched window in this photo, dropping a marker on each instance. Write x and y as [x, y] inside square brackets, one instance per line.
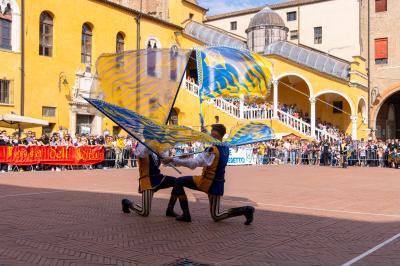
[5, 27]
[153, 58]
[86, 53]
[173, 56]
[120, 45]
[46, 34]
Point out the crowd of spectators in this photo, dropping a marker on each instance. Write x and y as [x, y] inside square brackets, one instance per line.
[303, 152]
[119, 150]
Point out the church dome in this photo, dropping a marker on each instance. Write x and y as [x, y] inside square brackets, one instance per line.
[265, 27]
[266, 18]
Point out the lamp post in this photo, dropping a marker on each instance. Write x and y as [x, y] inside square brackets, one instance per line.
[62, 82]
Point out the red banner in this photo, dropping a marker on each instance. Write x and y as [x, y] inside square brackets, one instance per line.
[21, 155]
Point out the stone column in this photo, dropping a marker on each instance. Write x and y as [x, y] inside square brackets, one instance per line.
[72, 123]
[275, 92]
[241, 107]
[354, 120]
[312, 115]
[98, 123]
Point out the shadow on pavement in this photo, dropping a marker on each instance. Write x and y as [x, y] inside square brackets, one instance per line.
[39, 226]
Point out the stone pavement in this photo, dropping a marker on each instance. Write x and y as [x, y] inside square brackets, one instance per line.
[304, 216]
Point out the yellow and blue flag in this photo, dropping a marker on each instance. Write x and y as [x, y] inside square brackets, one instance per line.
[158, 137]
[250, 133]
[230, 73]
[144, 81]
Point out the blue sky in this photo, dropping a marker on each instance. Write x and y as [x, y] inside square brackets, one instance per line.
[223, 6]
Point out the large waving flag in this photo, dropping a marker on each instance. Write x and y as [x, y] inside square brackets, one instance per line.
[230, 73]
[250, 133]
[145, 81]
[158, 137]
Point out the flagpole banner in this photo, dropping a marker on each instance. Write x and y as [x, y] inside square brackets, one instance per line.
[158, 137]
[250, 133]
[231, 73]
[144, 81]
[61, 155]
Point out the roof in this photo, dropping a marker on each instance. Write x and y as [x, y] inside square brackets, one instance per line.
[290, 3]
[310, 58]
[212, 36]
[266, 17]
[194, 3]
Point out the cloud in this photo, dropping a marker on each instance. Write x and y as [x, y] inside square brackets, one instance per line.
[224, 6]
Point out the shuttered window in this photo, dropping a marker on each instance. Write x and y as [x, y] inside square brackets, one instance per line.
[380, 5]
[381, 51]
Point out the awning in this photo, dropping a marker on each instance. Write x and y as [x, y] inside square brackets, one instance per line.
[21, 122]
[291, 136]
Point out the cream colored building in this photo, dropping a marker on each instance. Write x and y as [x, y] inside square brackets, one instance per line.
[384, 64]
[330, 26]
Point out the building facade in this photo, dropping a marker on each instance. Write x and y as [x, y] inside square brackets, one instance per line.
[330, 26]
[52, 65]
[381, 45]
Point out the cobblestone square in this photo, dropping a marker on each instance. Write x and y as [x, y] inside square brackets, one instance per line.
[304, 216]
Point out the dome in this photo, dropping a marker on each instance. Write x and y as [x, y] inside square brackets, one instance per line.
[265, 27]
[266, 18]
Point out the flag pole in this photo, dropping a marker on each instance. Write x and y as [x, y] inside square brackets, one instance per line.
[176, 95]
[141, 142]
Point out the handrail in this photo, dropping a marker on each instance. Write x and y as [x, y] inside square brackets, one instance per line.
[294, 123]
[250, 113]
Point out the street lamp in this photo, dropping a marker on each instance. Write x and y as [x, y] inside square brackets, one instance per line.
[62, 80]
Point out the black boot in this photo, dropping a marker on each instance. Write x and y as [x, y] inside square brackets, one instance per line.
[170, 209]
[185, 217]
[247, 211]
[126, 205]
[249, 214]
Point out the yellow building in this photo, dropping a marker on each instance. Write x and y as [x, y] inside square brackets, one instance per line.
[48, 63]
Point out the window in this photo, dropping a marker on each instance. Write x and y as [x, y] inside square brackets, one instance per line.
[381, 51]
[338, 107]
[120, 43]
[291, 16]
[5, 92]
[5, 34]
[294, 34]
[120, 47]
[173, 71]
[380, 5]
[191, 15]
[151, 58]
[234, 25]
[86, 50]
[318, 35]
[5, 28]
[48, 111]
[46, 35]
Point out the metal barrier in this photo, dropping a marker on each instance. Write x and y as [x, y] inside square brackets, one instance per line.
[369, 158]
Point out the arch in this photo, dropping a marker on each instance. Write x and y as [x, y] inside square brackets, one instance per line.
[386, 120]
[287, 74]
[382, 99]
[87, 37]
[152, 40]
[15, 18]
[364, 111]
[174, 117]
[349, 101]
[46, 34]
[120, 42]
